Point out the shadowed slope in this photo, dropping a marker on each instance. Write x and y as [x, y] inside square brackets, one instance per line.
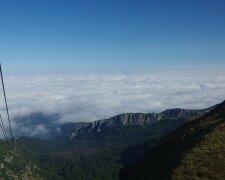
[192, 151]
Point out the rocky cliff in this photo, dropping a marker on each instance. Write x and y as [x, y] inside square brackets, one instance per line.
[129, 119]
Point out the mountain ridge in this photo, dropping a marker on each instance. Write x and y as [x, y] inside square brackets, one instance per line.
[186, 153]
[95, 154]
[130, 119]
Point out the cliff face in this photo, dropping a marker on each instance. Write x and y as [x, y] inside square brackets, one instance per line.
[130, 119]
[134, 119]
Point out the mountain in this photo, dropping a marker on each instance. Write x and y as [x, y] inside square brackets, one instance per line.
[130, 128]
[43, 126]
[98, 150]
[17, 164]
[194, 151]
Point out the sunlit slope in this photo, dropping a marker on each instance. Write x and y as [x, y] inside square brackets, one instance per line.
[194, 151]
[16, 164]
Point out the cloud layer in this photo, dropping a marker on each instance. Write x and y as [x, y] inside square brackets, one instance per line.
[93, 97]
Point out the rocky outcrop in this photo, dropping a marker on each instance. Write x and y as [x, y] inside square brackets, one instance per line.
[129, 119]
[176, 113]
[134, 119]
[15, 164]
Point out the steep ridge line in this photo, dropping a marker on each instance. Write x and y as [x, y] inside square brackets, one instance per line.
[130, 119]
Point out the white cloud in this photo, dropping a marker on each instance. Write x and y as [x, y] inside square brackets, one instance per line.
[93, 97]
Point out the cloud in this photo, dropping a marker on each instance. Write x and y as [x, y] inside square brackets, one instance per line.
[37, 125]
[92, 97]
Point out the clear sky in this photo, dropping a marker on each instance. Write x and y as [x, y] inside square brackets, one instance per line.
[76, 36]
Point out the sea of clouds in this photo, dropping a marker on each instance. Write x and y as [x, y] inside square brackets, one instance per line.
[91, 97]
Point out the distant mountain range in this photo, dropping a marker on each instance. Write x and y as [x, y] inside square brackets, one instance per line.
[142, 126]
[173, 144]
[43, 126]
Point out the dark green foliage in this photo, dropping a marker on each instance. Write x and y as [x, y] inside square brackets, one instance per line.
[191, 152]
[86, 164]
[36, 145]
[91, 156]
[133, 134]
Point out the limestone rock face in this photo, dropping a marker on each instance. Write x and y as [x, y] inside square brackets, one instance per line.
[128, 119]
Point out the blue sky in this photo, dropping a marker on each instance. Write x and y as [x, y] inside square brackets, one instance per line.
[121, 36]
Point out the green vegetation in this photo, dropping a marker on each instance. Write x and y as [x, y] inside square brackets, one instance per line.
[16, 164]
[194, 151]
[131, 134]
[206, 160]
[89, 164]
[93, 157]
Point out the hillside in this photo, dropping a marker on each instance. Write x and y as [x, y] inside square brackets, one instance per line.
[17, 164]
[129, 128]
[194, 151]
[98, 150]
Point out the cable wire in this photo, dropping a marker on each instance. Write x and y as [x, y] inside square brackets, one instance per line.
[6, 104]
[3, 129]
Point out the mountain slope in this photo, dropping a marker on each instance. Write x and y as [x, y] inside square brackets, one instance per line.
[194, 151]
[130, 128]
[95, 151]
[16, 164]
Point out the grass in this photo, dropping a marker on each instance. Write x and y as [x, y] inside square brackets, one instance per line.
[15, 164]
[206, 160]
[194, 151]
